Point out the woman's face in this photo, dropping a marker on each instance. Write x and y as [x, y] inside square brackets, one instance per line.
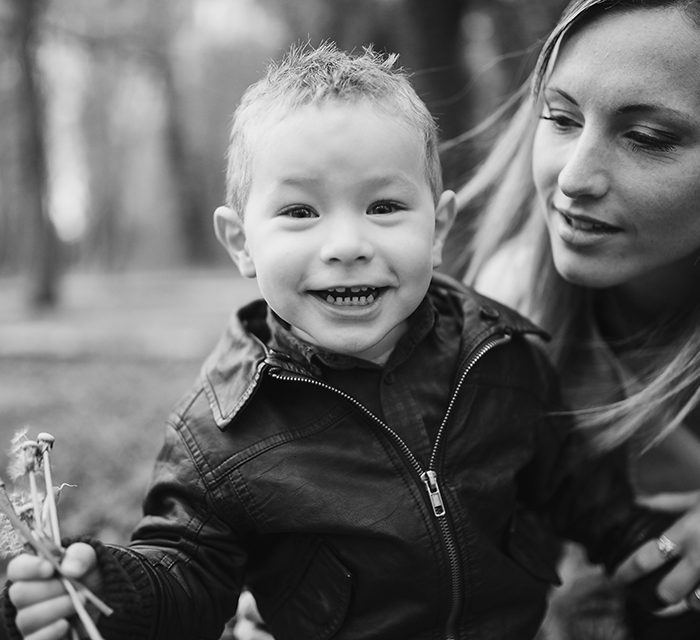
[616, 158]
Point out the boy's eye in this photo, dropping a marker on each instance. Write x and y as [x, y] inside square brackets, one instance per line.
[299, 212]
[382, 208]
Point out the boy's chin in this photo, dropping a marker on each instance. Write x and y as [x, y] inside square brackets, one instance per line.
[352, 346]
[377, 351]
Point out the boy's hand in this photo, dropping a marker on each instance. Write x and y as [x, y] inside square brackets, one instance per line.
[678, 552]
[249, 623]
[42, 603]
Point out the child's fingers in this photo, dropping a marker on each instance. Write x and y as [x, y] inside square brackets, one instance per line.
[37, 619]
[78, 560]
[29, 567]
[26, 593]
[55, 631]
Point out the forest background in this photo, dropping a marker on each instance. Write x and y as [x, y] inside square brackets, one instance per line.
[114, 118]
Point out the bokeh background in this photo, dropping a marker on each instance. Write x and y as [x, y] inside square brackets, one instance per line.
[114, 119]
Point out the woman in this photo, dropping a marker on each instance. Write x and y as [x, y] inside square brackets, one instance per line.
[590, 224]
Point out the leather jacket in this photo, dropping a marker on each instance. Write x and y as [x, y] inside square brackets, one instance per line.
[269, 478]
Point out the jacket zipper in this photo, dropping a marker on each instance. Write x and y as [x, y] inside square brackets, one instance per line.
[428, 476]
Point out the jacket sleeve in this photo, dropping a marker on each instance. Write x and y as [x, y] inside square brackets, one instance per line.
[184, 561]
[585, 495]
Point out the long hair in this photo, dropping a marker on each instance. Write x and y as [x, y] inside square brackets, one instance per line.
[508, 224]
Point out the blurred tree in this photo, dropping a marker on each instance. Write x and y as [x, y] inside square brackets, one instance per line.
[136, 37]
[427, 36]
[163, 19]
[44, 263]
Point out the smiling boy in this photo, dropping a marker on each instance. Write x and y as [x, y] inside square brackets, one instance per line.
[340, 224]
[362, 443]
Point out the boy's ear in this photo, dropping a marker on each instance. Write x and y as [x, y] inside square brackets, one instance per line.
[230, 233]
[445, 213]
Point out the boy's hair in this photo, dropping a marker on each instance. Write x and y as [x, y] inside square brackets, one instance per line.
[314, 75]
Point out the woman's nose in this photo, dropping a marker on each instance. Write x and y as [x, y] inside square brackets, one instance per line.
[584, 172]
[346, 239]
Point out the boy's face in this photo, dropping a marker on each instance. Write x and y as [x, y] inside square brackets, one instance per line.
[340, 227]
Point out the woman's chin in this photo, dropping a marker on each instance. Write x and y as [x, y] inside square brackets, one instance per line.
[584, 275]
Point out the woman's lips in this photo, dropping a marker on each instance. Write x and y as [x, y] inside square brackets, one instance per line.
[586, 224]
[582, 231]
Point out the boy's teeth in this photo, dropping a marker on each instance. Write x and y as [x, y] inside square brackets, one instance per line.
[352, 289]
[340, 296]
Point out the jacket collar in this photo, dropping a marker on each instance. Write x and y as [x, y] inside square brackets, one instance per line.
[314, 359]
[232, 372]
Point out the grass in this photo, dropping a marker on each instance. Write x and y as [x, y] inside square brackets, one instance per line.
[107, 418]
[101, 374]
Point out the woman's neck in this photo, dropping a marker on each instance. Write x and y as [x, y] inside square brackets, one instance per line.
[636, 309]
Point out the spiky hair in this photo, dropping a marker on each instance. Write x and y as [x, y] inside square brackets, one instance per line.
[314, 75]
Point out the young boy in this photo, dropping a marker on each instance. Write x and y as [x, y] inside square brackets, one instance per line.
[363, 444]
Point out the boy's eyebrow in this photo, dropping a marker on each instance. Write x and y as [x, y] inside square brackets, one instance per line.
[300, 181]
[387, 180]
[390, 180]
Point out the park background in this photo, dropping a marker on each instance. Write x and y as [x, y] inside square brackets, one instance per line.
[114, 118]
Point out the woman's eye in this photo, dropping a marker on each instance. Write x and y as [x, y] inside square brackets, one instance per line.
[382, 208]
[299, 212]
[560, 122]
[640, 141]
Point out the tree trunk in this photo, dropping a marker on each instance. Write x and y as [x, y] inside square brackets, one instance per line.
[44, 260]
[193, 220]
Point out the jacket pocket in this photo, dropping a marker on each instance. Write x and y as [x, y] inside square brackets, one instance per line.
[316, 606]
[533, 548]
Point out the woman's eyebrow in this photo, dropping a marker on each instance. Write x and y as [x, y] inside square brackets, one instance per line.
[663, 109]
[641, 107]
[562, 93]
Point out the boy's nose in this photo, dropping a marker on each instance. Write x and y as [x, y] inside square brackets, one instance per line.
[346, 241]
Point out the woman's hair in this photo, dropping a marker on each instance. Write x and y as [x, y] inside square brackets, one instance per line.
[500, 218]
[319, 75]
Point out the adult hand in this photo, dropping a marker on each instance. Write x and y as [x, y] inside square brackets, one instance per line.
[680, 543]
[42, 604]
[671, 502]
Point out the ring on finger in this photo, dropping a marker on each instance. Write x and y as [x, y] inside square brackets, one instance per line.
[693, 600]
[667, 547]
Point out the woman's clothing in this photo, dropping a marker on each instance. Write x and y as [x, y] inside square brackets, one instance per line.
[587, 606]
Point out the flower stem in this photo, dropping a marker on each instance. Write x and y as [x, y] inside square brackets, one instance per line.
[45, 441]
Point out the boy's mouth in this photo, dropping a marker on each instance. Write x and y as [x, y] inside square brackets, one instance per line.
[349, 296]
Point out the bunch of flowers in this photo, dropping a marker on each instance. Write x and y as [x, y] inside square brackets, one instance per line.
[30, 521]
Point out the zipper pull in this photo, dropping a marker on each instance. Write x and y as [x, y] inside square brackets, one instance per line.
[430, 479]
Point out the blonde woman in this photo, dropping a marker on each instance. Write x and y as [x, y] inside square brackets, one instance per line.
[589, 222]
